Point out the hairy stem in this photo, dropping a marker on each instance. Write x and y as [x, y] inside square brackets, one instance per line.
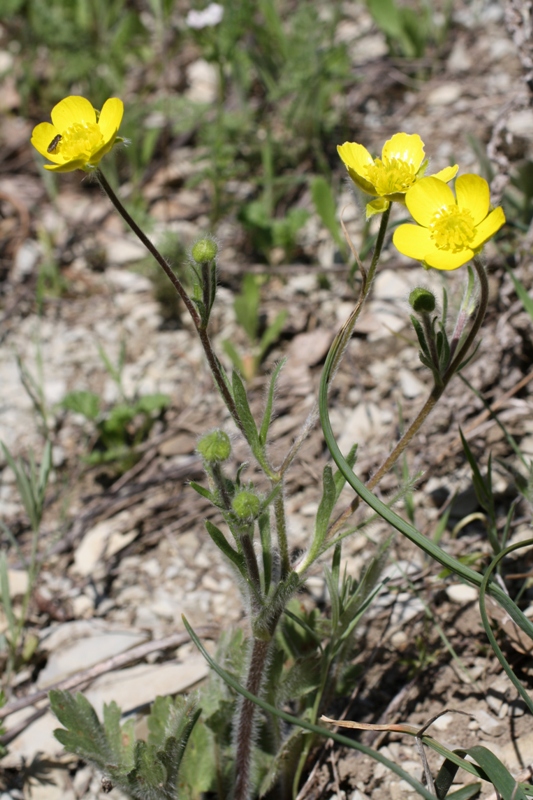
[281, 529]
[245, 729]
[152, 249]
[253, 570]
[212, 360]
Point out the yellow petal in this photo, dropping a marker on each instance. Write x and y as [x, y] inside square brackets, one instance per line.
[444, 259]
[356, 159]
[70, 110]
[377, 206]
[447, 174]
[110, 118]
[355, 156]
[413, 241]
[67, 166]
[99, 154]
[42, 135]
[488, 227]
[473, 194]
[407, 147]
[426, 197]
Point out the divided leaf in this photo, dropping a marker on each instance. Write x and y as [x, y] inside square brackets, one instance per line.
[144, 770]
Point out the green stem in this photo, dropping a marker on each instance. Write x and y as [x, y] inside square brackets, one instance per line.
[343, 337]
[245, 726]
[252, 569]
[428, 406]
[152, 249]
[212, 360]
[281, 529]
[430, 339]
[345, 333]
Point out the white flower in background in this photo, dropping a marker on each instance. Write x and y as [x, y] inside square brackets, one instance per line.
[207, 18]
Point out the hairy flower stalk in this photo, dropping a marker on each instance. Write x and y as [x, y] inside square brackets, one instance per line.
[247, 712]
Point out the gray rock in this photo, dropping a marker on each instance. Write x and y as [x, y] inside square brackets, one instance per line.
[460, 593]
[75, 646]
[140, 685]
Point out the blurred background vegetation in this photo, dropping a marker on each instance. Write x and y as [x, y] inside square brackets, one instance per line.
[282, 72]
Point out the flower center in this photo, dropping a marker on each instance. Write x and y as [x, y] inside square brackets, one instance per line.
[81, 140]
[391, 175]
[452, 229]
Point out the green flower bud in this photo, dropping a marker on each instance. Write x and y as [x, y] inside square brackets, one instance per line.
[422, 301]
[246, 505]
[215, 447]
[204, 250]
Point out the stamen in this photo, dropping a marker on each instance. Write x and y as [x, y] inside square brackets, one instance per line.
[391, 175]
[81, 140]
[452, 229]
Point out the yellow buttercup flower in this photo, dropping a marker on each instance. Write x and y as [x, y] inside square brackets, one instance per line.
[389, 177]
[451, 230]
[79, 135]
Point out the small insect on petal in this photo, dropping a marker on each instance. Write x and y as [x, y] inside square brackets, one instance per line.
[53, 144]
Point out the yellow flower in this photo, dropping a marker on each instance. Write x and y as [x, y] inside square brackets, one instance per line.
[79, 136]
[450, 231]
[389, 177]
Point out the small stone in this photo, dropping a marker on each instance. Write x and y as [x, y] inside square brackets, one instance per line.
[70, 653]
[410, 385]
[443, 722]
[399, 640]
[461, 593]
[489, 724]
[82, 606]
[203, 82]
[504, 710]
[494, 701]
[140, 685]
[460, 59]
[517, 708]
[357, 795]
[122, 250]
[18, 582]
[445, 95]
[390, 285]
[362, 424]
[311, 348]
[26, 260]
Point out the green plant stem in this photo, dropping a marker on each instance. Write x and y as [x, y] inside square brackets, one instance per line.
[434, 397]
[345, 333]
[152, 249]
[252, 569]
[342, 338]
[245, 728]
[281, 529]
[430, 339]
[220, 484]
[212, 360]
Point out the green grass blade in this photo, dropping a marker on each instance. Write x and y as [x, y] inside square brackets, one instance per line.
[521, 291]
[486, 624]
